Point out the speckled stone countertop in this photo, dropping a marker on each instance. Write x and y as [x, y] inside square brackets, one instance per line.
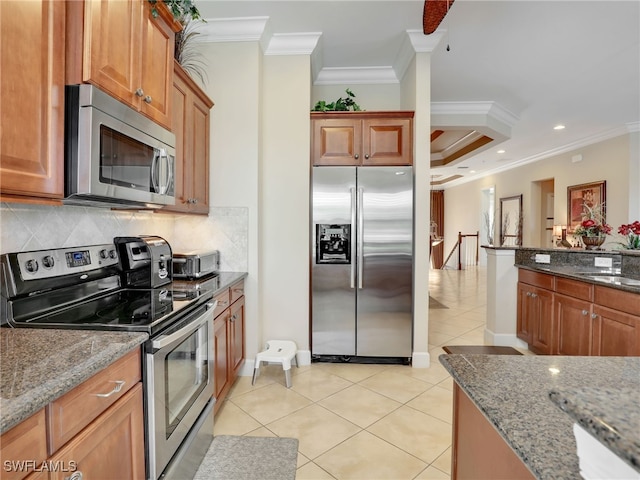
[39, 365]
[612, 415]
[512, 392]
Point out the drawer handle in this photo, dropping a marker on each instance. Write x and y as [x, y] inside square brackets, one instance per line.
[223, 304]
[116, 389]
[238, 290]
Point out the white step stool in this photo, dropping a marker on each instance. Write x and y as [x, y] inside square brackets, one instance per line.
[278, 351]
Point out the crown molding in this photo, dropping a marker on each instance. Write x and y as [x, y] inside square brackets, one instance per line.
[357, 75]
[242, 29]
[293, 43]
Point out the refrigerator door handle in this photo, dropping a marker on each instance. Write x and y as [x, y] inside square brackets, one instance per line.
[360, 237]
[353, 237]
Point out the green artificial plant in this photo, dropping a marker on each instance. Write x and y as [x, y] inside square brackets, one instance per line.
[340, 105]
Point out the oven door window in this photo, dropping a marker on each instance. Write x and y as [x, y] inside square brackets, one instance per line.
[186, 375]
[125, 161]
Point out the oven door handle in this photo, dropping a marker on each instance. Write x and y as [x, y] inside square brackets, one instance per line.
[165, 340]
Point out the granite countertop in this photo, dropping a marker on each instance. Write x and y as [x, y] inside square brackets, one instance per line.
[513, 392]
[39, 365]
[608, 415]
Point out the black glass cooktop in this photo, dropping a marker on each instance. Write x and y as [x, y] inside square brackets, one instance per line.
[125, 309]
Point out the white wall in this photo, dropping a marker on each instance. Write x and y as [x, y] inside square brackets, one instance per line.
[609, 160]
[284, 199]
[368, 97]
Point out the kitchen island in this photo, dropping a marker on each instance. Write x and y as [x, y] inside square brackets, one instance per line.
[512, 395]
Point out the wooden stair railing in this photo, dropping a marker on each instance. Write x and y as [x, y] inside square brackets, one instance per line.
[458, 245]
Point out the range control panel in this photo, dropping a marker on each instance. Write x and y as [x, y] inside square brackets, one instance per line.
[65, 261]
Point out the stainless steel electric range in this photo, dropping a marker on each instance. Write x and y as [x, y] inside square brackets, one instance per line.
[128, 286]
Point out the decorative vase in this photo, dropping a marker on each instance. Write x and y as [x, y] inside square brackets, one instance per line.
[593, 243]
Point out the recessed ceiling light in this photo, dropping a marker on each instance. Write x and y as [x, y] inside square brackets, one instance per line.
[501, 151]
[559, 127]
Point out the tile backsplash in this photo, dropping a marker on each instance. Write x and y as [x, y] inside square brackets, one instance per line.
[27, 227]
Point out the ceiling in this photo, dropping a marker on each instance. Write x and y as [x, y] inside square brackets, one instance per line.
[503, 73]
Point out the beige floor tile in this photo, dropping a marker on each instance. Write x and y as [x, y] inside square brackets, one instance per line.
[437, 402]
[261, 432]
[396, 386]
[443, 462]
[365, 456]
[434, 374]
[317, 386]
[316, 428]
[271, 402]
[354, 372]
[360, 405]
[231, 420]
[311, 471]
[440, 338]
[432, 473]
[415, 432]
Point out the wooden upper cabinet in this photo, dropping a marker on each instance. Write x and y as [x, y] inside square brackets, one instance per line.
[32, 91]
[362, 138]
[191, 108]
[120, 47]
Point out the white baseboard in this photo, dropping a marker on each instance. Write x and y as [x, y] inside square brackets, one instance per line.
[420, 360]
[503, 339]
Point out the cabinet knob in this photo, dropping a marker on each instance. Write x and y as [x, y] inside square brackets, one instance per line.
[139, 92]
[356, 156]
[528, 294]
[594, 316]
[148, 99]
[366, 155]
[584, 312]
[534, 295]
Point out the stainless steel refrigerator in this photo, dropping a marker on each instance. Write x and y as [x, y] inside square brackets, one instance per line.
[362, 261]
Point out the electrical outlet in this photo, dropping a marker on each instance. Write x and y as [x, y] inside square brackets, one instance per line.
[543, 258]
[603, 262]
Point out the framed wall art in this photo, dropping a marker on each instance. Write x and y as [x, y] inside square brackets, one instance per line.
[589, 194]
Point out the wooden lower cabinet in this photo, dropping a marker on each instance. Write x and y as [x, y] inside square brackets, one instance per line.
[571, 317]
[478, 450]
[100, 436]
[535, 318]
[615, 333]
[574, 325]
[229, 340]
[110, 447]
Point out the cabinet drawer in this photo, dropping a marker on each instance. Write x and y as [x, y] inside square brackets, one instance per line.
[223, 302]
[25, 441]
[69, 414]
[541, 280]
[574, 288]
[237, 290]
[617, 299]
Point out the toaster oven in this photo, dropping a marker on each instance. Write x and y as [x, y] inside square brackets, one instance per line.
[196, 264]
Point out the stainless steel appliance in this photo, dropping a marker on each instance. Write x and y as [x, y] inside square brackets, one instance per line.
[83, 288]
[196, 264]
[114, 155]
[362, 257]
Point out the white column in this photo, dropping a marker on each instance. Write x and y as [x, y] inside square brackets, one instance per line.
[502, 298]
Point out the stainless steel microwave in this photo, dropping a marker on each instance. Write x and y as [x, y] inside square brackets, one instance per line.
[114, 155]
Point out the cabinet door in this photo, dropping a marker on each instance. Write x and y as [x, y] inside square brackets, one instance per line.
[157, 67]
[526, 312]
[336, 141]
[387, 141]
[112, 47]
[574, 325]
[236, 337]
[110, 447]
[220, 355]
[32, 91]
[615, 333]
[199, 180]
[25, 442]
[543, 322]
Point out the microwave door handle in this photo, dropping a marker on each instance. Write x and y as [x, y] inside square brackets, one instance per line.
[165, 174]
[154, 169]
